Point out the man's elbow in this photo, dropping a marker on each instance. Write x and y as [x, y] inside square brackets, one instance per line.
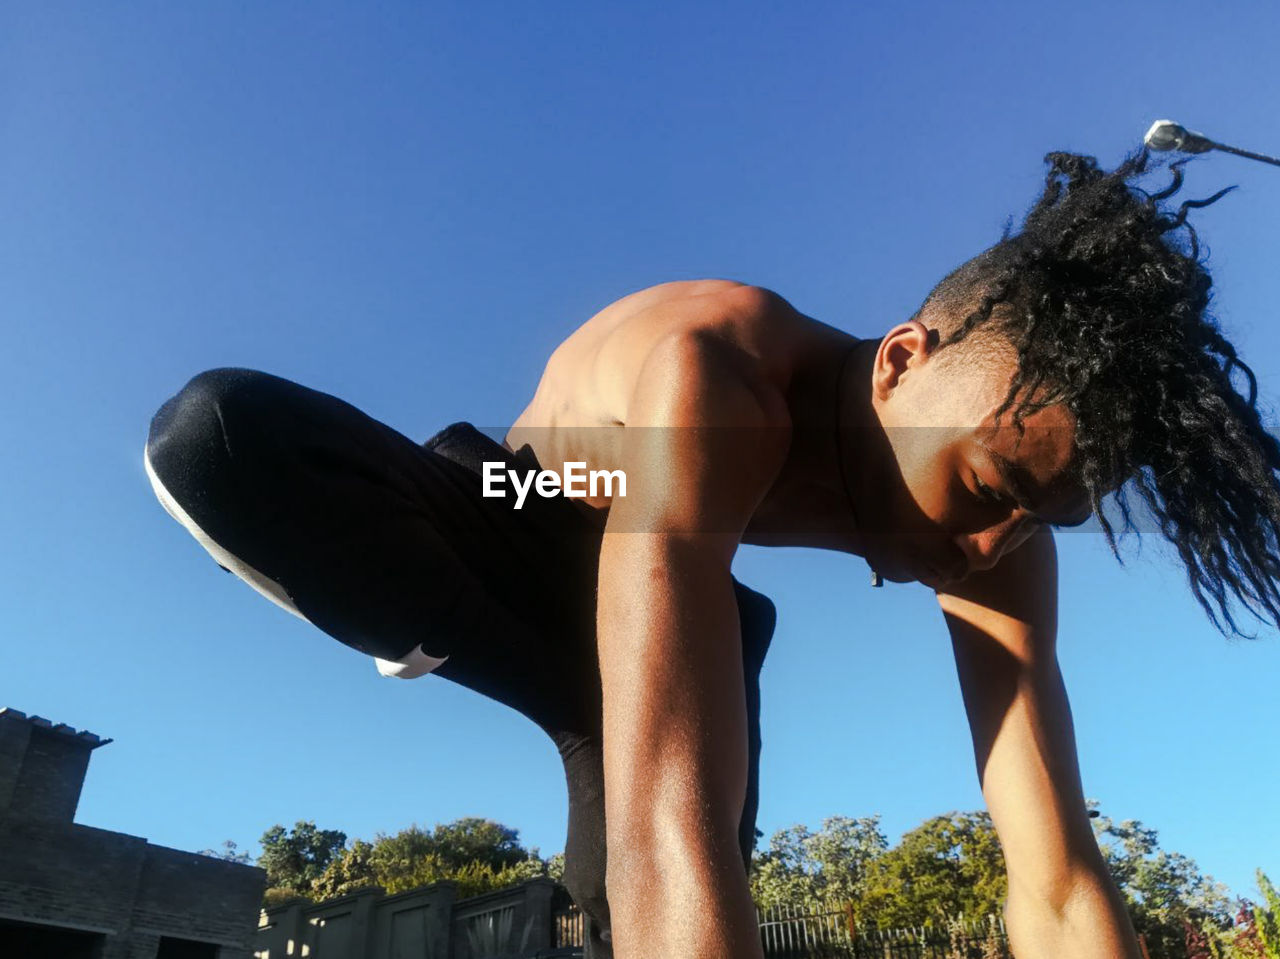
[1070, 914]
[1049, 893]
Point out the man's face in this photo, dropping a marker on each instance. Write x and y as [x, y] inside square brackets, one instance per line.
[955, 493]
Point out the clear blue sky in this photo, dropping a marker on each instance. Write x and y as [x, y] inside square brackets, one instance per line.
[409, 205]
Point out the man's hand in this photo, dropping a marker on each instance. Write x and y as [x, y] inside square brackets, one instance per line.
[1003, 623]
[703, 441]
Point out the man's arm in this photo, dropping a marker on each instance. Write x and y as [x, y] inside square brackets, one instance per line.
[703, 441]
[1003, 624]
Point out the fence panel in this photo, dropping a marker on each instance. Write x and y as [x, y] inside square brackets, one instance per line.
[566, 926]
[790, 931]
[793, 932]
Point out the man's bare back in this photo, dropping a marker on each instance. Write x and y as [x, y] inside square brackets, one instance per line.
[582, 398]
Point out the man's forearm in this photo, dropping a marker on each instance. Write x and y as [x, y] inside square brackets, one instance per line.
[1092, 923]
[683, 909]
[675, 751]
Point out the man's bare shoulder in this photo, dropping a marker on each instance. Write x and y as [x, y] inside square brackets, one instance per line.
[760, 327]
[591, 380]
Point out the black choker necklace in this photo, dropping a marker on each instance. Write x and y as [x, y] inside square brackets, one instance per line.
[844, 482]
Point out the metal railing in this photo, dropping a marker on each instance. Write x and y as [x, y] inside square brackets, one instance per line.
[796, 932]
[566, 927]
[832, 932]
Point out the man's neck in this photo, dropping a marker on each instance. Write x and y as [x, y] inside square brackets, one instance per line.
[810, 505]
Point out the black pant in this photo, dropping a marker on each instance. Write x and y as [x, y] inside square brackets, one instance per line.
[388, 545]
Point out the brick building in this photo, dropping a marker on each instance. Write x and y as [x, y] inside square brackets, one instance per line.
[69, 891]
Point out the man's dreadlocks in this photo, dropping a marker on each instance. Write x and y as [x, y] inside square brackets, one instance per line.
[1108, 314]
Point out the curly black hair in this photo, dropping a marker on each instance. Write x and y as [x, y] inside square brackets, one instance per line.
[1107, 309]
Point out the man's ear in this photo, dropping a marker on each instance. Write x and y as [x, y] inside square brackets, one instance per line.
[903, 348]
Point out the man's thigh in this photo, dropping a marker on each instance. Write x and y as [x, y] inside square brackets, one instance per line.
[383, 543]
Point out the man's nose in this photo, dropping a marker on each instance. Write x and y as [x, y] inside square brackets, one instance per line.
[983, 549]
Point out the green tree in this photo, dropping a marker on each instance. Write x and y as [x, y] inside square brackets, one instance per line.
[1266, 917]
[478, 854]
[802, 867]
[1166, 893]
[1256, 934]
[229, 852]
[353, 868]
[949, 866]
[294, 859]
[478, 840]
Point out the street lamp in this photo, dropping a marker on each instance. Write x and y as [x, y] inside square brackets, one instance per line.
[1167, 135]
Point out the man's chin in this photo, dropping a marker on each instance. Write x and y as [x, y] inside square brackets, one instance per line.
[892, 571]
[899, 569]
[903, 578]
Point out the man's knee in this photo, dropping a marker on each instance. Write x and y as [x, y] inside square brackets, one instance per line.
[199, 448]
[195, 419]
[204, 442]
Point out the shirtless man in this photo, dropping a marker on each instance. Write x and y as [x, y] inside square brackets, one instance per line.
[1034, 380]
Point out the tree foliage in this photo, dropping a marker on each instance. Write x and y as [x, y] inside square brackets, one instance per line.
[296, 858]
[952, 866]
[479, 855]
[949, 866]
[1254, 934]
[801, 867]
[1166, 892]
[1266, 917]
[229, 852]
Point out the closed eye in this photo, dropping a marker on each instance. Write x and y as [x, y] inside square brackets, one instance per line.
[985, 492]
